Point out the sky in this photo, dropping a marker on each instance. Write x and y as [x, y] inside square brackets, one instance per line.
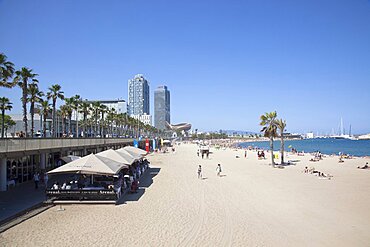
[225, 62]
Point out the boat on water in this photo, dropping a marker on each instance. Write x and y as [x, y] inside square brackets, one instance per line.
[364, 137]
[342, 135]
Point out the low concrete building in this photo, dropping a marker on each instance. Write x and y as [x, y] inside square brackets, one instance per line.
[145, 118]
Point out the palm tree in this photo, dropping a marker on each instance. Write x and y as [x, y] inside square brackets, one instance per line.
[9, 122]
[269, 130]
[45, 110]
[69, 109]
[281, 125]
[95, 108]
[103, 109]
[34, 96]
[76, 104]
[64, 111]
[22, 79]
[54, 94]
[6, 71]
[5, 105]
[85, 110]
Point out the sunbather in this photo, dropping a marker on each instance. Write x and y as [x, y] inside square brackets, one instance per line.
[366, 166]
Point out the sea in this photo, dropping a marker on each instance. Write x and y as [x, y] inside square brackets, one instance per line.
[328, 146]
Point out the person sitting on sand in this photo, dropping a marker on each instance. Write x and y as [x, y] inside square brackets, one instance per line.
[341, 159]
[325, 175]
[366, 166]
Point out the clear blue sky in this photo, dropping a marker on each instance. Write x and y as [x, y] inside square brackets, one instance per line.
[225, 62]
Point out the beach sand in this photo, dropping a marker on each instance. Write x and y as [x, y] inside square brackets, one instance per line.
[252, 204]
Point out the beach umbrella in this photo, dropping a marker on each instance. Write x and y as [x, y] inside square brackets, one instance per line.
[117, 156]
[70, 158]
[90, 164]
[135, 151]
[130, 156]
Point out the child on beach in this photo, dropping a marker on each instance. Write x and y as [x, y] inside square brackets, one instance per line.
[200, 171]
[218, 169]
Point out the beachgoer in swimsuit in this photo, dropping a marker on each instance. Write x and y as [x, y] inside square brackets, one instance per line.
[200, 171]
[218, 169]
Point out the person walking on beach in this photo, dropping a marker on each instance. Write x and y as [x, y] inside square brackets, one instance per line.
[199, 171]
[36, 178]
[219, 170]
[46, 179]
[245, 154]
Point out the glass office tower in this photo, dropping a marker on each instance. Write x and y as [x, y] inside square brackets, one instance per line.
[161, 107]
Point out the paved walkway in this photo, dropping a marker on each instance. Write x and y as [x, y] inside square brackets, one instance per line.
[20, 198]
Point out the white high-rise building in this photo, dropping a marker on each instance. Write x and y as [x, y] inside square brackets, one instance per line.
[138, 96]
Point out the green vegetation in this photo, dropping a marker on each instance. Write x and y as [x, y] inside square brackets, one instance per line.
[5, 105]
[271, 126]
[98, 120]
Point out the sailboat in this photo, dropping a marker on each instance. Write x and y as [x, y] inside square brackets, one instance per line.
[342, 134]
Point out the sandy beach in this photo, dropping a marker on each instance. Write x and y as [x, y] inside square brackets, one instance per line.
[252, 204]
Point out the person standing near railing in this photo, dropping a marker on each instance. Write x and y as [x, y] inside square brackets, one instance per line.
[36, 178]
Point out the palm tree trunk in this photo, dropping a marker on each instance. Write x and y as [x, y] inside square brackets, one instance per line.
[2, 123]
[272, 151]
[32, 111]
[70, 125]
[24, 103]
[85, 124]
[64, 125]
[77, 132]
[102, 129]
[96, 124]
[44, 123]
[54, 114]
[282, 149]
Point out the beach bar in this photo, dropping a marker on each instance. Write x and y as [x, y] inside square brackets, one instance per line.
[104, 176]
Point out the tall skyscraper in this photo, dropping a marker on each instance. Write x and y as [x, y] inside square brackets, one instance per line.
[161, 107]
[138, 96]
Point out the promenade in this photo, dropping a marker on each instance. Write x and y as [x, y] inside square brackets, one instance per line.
[20, 198]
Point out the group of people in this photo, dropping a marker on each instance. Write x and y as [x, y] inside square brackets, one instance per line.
[218, 170]
[37, 178]
[202, 153]
[128, 179]
[261, 154]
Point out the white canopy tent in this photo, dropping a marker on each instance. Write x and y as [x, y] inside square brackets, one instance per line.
[70, 158]
[91, 164]
[120, 157]
[135, 151]
[133, 157]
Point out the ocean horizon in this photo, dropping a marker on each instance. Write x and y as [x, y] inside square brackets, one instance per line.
[329, 146]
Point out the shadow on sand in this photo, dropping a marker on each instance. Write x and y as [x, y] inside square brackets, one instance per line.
[144, 183]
